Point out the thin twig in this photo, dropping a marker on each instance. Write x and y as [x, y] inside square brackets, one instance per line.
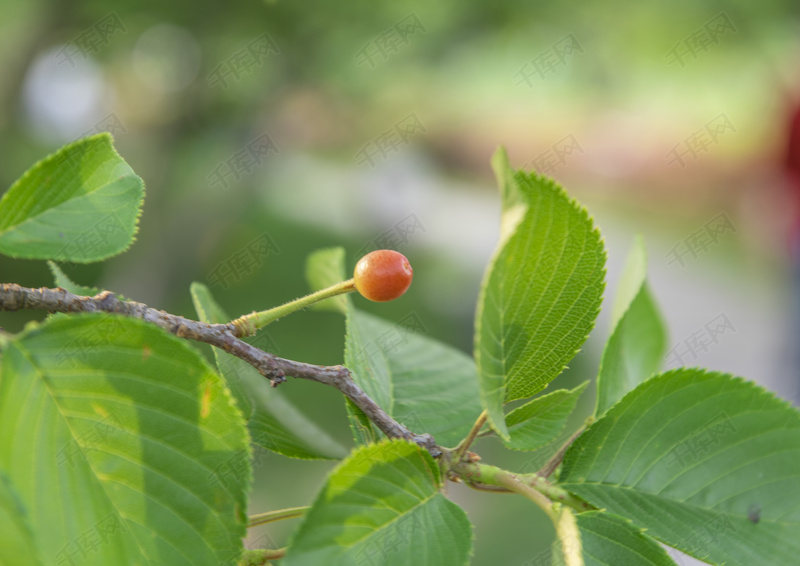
[553, 463]
[14, 297]
[464, 445]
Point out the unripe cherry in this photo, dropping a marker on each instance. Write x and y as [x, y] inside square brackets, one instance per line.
[383, 275]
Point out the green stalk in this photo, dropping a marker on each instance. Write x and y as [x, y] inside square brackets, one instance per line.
[250, 323]
[531, 486]
[279, 515]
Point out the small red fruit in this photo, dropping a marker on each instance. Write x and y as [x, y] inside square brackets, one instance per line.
[383, 275]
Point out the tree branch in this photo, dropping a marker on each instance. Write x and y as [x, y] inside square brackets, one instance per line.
[227, 337]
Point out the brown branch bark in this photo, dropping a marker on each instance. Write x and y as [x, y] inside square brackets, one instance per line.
[225, 336]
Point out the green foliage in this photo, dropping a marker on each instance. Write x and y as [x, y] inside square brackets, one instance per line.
[540, 421]
[274, 422]
[638, 340]
[17, 545]
[688, 455]
[61, 280]
[541, 292]
[80, 204]
[126, 431]
[323, 269]
[609, 539]
[383, 505]
[117, 431]
[422, 383]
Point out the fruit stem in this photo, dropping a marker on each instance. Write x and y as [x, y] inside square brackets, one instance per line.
[248, 324]
[279, 515]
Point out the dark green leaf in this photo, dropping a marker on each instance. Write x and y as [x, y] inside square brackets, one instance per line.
[424, 384]
[540, 421]
[610, 540]
[706, 462]
[383, 506]
[275, 423]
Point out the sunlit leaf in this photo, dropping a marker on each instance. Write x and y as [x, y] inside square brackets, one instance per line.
[636, 347]
[80, 204]
[127, 432]
[541, 292]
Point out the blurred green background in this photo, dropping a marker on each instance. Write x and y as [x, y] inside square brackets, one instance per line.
[315, 124]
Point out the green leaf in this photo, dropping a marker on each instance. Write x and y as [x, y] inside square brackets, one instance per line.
[383, 505]
[705, 462]
[324, 268]
[637, 343]
[422, 383]
[541, 292]
[17, 545]
[274, 422]
[123, 444]
[80, 204]
[539, 422]
[597, 538]
[633, 277]
[608, 539]
[61, 280]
